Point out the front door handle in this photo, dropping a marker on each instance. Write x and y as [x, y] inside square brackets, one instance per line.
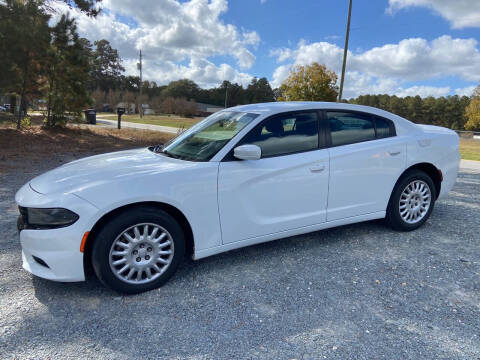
[394, 153]
[317, 168]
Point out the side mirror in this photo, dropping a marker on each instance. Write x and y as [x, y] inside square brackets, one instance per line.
[247, 152]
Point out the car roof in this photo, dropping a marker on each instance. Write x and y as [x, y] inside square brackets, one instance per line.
[284, 106]
[272, 108]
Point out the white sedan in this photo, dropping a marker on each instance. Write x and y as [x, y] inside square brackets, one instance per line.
[242, 176]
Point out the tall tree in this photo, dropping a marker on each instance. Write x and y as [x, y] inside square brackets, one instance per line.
[182, 88]
[67, 73]
[414, 107]
[130, 83]
[235, 93]
[444, 111]
[24, 39]
[312, 82]
[473, 111]
[259, 90]
[88, 7]
[106, 66]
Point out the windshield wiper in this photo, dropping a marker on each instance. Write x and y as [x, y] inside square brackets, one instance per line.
[159, 150]
[169, 154]
[156, 148]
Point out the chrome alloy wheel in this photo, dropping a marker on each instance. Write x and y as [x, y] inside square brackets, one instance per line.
[141, 253]
[415, 201]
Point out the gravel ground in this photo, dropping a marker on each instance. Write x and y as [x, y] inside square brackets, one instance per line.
[356, 292]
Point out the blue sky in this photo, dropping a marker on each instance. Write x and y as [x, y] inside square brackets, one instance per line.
[283, 23]
[403, 47]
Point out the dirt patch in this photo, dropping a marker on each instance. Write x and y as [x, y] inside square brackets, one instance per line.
[35, 144]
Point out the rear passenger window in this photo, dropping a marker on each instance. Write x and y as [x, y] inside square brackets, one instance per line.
[349, 128]
[383, 128]
[285, 134]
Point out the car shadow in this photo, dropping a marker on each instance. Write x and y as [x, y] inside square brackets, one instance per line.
[92, 287]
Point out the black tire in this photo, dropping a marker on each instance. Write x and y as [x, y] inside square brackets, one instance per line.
[119, 223]
[393, 217]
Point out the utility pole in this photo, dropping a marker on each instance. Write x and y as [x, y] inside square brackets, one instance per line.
[345, 50]
[141, 80]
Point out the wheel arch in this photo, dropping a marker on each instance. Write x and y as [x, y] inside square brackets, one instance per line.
[170, 209]
[428, 168]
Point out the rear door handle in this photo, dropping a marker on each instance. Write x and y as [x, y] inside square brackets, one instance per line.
[394, 153]
[317, 168]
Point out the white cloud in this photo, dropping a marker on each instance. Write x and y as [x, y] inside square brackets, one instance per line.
[466, 91]
[171, 33]
[361, 84]
[281, 54]
[460, 13]
[192, 29]
[179, 39]
[416, 59]
[203, 72]
[423, 91]
[385, 69]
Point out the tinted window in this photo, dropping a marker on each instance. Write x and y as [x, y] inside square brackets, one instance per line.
[383, 128]
[349, 128]
[285, 134]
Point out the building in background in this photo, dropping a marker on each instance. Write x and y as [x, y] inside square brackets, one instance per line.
[207, 109]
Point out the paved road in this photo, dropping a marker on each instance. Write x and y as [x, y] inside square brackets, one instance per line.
[357, 292]
[126, 124]
[470, 165]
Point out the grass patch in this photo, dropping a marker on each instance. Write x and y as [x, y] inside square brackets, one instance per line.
[470, 149]
[163, 120]
[8, 120]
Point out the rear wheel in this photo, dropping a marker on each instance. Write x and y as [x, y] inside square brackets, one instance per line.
[138, 250]
[411, 202]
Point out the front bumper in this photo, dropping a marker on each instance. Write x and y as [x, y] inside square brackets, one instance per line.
[50, 255]
[55, 254]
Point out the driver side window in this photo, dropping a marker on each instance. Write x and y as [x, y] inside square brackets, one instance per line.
[285, 134]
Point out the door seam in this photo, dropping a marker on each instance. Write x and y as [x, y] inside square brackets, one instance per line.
[218, 204]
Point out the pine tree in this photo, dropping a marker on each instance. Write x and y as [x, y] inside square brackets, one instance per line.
[67, 74]
[24, 40]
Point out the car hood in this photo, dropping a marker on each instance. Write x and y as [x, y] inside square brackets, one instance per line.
[106, 168]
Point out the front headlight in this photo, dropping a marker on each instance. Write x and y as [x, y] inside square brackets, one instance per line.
[50, 218]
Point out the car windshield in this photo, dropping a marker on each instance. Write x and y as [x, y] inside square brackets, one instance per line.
[202, 141]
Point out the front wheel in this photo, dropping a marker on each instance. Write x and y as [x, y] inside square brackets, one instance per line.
[411, 202]
[138, 250]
